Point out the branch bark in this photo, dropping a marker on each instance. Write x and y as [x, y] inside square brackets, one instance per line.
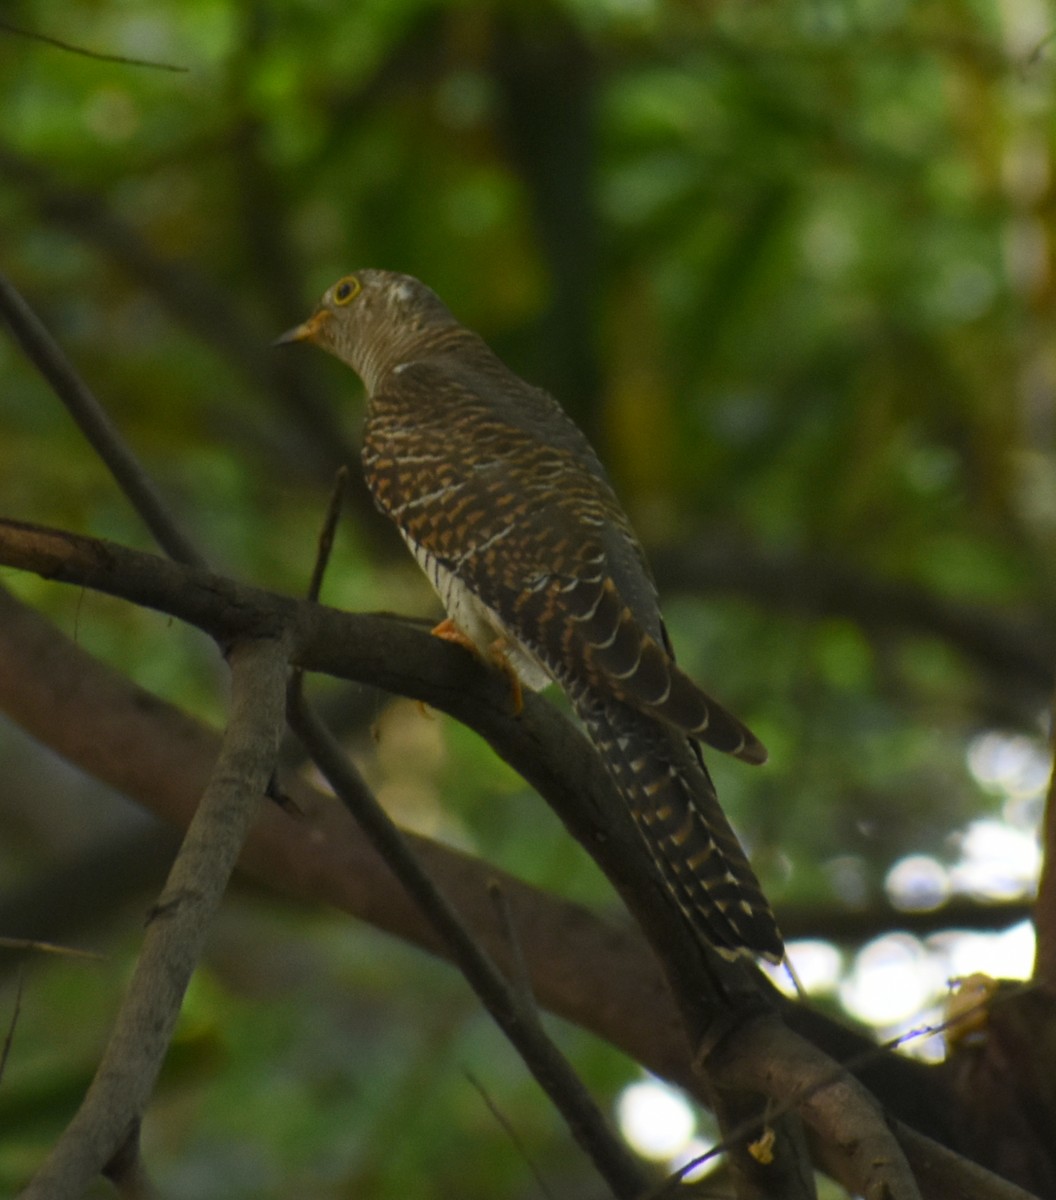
[512, 1011]
[572, 957]
[121, 1089]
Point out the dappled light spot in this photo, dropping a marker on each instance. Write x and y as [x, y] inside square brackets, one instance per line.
[1011, 765]
[1005, 955]
[997, 862]
[656, 1119]
[660, 1124]
[892, 979]
[917, 883]
[818, 966]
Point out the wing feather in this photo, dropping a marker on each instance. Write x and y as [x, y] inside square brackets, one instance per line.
[531, 527]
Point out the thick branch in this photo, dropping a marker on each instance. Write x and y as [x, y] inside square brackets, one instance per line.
[57, 692]
[1018, 647]
[768, 1058]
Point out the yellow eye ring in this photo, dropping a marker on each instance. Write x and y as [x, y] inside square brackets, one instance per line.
[347, 290]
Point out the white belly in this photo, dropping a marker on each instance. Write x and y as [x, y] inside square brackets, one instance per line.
[478, 622]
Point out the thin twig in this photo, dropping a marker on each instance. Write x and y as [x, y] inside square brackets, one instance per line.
[326, 534]
[59, 44]
[11, 943]
[550, 1068]
[507, 1126]
[1034, 57]
[46, 354]
[205, 310]
[9, 1037]
[520, 977]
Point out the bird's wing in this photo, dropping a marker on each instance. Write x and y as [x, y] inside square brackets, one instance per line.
[532, 528]
[628, 663]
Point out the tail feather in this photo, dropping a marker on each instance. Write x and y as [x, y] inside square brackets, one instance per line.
[674, 804]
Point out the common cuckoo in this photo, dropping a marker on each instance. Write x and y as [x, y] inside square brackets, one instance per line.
[512, 517]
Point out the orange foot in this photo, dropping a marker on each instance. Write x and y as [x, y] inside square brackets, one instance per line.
[496, 656]
[448, 631]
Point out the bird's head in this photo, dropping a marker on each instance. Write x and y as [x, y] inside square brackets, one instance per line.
[373, 320]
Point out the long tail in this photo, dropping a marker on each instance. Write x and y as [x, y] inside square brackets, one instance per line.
[688, 836]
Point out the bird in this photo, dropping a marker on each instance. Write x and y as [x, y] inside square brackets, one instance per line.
[509, 512]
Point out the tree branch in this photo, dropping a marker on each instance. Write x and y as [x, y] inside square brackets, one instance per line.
[569, 954]
[554, 757]
[47, 356]
[120, 1091]
[190, 298]
[1016, 647]
[768, 1058]
[551, 1070]
[1045, 904]
[33, 35]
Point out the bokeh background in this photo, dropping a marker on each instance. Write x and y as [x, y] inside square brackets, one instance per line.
[790, 264]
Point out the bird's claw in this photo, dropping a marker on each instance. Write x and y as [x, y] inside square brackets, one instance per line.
[496, 656]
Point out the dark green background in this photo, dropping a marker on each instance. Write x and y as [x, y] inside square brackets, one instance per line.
[790, 264]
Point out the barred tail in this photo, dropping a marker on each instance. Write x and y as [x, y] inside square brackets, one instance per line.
[688, 836]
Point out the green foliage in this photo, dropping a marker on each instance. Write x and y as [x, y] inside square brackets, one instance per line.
[790, 264]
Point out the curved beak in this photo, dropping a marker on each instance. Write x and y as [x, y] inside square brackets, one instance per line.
[307, 331]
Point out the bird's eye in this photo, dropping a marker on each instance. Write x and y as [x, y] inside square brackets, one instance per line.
[347, 290]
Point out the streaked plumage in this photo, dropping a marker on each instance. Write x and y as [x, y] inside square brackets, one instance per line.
[508, 511]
